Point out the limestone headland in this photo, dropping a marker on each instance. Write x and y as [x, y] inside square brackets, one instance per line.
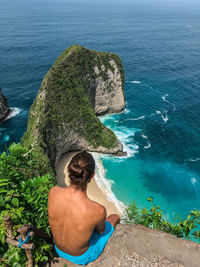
[80, 85]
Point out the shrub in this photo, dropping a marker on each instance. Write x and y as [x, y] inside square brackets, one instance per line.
[24, 189]
[154, 218]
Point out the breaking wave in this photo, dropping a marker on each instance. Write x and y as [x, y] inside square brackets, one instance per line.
[165, 100]
[105, 184]
[14, 112]
[135, 82]
[194, 160]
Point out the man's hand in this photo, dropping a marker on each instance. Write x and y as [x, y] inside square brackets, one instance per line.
[113, 219]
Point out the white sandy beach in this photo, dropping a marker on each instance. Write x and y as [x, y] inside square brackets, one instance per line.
[94, 192]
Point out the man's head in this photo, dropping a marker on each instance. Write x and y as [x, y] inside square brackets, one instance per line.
[81, 169]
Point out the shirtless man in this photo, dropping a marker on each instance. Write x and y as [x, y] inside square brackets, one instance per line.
[79, 226]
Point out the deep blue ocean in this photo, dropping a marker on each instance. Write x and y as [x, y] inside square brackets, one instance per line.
[160, 49]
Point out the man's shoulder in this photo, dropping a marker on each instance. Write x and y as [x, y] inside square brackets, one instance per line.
[54, 190]
[98, 209]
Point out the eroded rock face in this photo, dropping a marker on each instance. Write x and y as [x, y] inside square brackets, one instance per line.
[4, 108]
[108, 94]
[139, 246]
[81, 84]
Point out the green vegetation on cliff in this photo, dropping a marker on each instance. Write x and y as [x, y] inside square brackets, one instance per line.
[63, 101]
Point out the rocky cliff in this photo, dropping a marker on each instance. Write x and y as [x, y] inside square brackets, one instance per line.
[4, 108]
[80, 85]
[139, 246]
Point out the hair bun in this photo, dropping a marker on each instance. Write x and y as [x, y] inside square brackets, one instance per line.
[80, 169]
[77, 170]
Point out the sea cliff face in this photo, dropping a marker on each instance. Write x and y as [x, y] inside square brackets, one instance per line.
[81, 84]
[4, 108]
[106, 94]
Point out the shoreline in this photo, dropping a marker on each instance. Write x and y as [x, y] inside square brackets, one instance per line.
[99, 189]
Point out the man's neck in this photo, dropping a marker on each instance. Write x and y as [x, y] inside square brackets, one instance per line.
[78, 191]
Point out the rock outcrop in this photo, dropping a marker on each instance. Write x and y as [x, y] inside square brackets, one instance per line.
[4, 108]
[139, 246]
[107, 95]
[80, 85]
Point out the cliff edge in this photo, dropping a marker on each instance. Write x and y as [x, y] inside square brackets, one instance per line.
[139, 246]
[80, 85]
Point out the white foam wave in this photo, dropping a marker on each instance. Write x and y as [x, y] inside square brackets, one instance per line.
[126, 111]
[144, 136]
[124, 134]
[163, 114]
[105, 184]
[158, 112]
[148, 143]
[194, 160]
[148, 146]
[165, 117]
[14, 112]
[103, 119]
[135, 82]
[136, 119]
[189, 26]
[164, 99]
[193, 180]
[140, 118]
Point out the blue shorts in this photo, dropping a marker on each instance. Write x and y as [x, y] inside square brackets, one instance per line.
[97, 244]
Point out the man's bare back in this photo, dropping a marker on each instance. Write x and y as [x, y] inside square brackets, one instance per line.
[73, 218]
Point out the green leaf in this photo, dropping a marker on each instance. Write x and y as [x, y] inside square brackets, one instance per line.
[15, 202]
[8, 206]
[4, 180]
[4, 184]
[45, 258]
[3, 191]
[2, 202]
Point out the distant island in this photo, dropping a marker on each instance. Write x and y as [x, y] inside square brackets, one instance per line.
[4, 108]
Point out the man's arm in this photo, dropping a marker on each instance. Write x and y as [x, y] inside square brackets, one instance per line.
[100, 226]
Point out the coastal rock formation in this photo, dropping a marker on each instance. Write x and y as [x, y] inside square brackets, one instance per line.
[137, 245]
[81, 84]
[4, 108]
[106, 94]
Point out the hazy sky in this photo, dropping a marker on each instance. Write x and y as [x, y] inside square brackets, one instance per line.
[141, 2]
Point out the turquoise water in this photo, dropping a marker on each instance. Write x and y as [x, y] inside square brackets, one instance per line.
[161, 137]
[159, 47]
[171, 185]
